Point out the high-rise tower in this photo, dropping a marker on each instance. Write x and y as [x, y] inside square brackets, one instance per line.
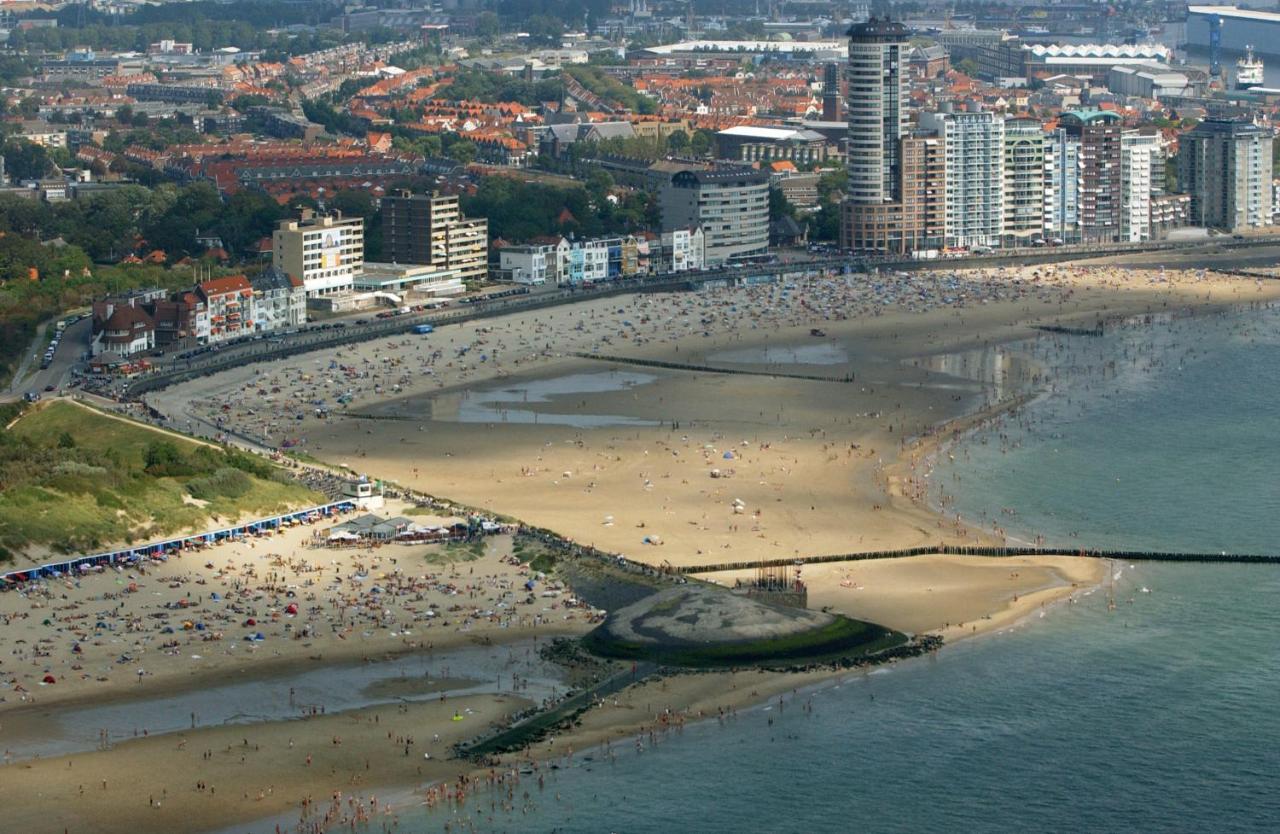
[876, 109]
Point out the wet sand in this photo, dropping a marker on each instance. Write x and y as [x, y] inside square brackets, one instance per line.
[804, 467]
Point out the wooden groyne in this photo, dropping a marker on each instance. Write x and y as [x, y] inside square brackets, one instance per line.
[685, 366]
[963, 550]
[1069, 331]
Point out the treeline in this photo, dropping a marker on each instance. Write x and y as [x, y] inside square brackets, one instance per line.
[478, 85]
[610, 89]
[207, 25]
[518, 211]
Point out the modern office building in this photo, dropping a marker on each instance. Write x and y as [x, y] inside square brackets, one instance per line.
[429, 229]
[974, 164]
[1024, 148]
[1225, 166]
[730, 204]
[326, 252]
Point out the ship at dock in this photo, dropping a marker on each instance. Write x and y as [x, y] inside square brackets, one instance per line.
[1249, 70]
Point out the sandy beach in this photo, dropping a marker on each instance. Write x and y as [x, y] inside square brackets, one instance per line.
[665, 466]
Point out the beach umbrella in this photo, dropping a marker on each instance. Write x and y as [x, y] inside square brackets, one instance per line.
[50, 679]
[291, 608]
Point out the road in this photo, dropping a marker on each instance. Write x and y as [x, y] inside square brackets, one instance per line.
[1225, 251]
[30, 377]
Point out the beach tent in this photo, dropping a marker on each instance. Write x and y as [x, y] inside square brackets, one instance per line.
[50, 679]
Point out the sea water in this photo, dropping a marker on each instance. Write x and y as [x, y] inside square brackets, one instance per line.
[1159, 715]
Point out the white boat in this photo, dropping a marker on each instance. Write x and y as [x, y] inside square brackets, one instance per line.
[1249, 70]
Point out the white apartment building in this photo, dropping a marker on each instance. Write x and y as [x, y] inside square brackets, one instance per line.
[1024, 145]
[682, 250]
[327, 252]
[1062, 187]
[584, 261]
[974, 164]
[876, 107]
[279, 300]
[1138, 153]
[531, 264]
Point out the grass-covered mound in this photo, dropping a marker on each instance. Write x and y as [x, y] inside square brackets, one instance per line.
[702, 626]
[74, 480]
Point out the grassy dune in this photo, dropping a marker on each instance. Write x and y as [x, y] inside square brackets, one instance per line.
[73, 480]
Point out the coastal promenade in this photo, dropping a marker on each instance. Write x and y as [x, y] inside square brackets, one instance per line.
[173, 371]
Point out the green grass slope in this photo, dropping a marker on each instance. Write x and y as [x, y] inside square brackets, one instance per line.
[74, 480]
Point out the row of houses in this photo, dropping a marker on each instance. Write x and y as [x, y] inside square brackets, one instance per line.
[213, 311]
[565, 261]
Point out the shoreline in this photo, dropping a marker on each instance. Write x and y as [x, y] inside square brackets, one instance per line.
[700, 694]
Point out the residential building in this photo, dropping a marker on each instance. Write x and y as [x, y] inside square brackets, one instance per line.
[183, 318]
[279, 300]
[800, 189]
[1138, 152]
[429, 229]
[682, 251]
[1169, 212]
[974, 169]
[1062, 187]
[285, 124]
[229, 302]
[326, 252]
[1024, 152]
[1100, 195]
[126, 331]
[876, 107]
[915, 221]
[731, 205]
[532, 264]
[1225, 166]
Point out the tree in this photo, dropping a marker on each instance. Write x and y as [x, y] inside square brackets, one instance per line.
[702, 142]
[463, 151]
[969, 67]
[677, 142]
[832, 184]
[599, 183]
[25, 160]
[779, 205]
[488, 26]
